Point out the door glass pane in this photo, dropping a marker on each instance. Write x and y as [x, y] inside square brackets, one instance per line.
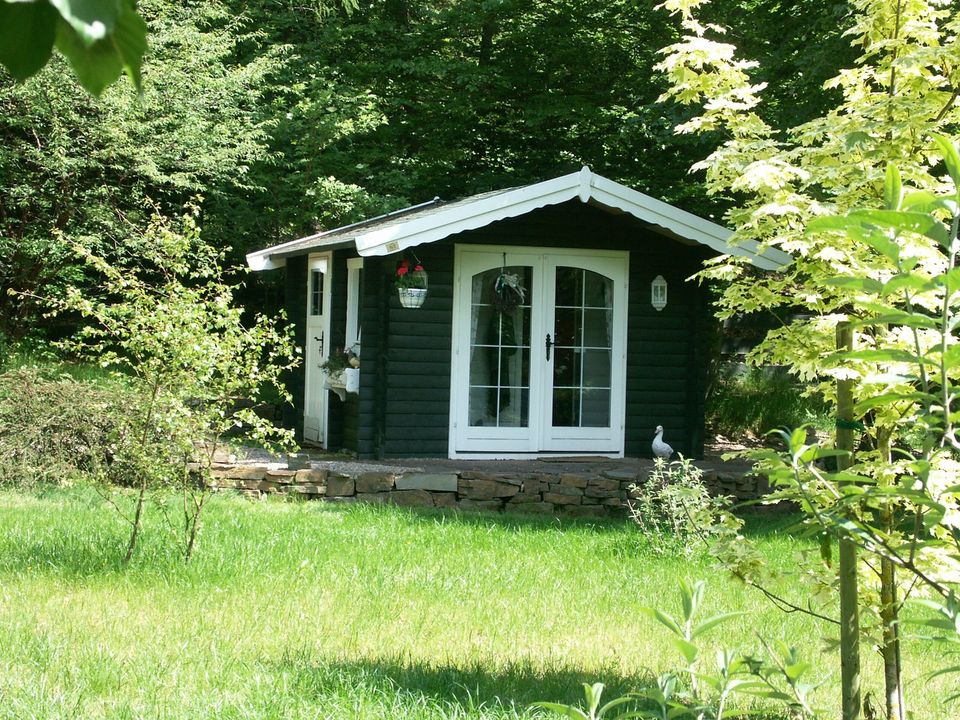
[595, 408]
[567, 325]
[486, 325]
[583, 355]
[597, 290]
[597, 328]
[316, 292]
[569, 287]
[566, 368]
[509, 366]
[596, 369]
[566, 407]
[499, 351]
[514, 407]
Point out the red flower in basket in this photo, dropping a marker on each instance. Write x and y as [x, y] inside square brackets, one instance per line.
[407, 278]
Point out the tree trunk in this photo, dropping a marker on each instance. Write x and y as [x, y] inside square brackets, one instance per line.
[890, 610]
[890, 650]
[135, 531]
[849, 592]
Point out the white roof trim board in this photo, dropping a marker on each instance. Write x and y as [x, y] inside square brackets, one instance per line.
[411, 229]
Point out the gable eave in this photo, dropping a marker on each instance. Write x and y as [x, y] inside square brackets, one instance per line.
[585, 185]
[682, 223]
[443, 224]
[439, 224]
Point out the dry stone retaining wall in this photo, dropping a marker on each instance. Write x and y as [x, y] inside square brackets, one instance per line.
[597, 495]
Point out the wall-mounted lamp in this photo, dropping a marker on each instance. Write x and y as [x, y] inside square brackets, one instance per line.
[658, 293]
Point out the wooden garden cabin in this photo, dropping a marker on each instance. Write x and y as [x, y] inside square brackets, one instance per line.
[558, 320]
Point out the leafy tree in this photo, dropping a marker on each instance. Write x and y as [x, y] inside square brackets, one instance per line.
[229, 110]
[482, 95]
[902, 90]
[74, 168]
[165, 317]
[287, 122]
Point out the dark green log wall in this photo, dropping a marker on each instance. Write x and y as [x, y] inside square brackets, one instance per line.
[295, 299]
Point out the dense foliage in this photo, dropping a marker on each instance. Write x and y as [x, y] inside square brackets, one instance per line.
[757, 400]
[287, 118]
[865, 198]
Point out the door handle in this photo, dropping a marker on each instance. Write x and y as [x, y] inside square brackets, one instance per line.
[548, 344]
[320, 346]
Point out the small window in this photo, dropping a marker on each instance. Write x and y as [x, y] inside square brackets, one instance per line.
[316, 276]
[316, 292]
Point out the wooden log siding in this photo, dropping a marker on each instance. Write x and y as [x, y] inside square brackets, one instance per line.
[417, 411]
[372, 385]
[406, 413]
[295, 300]
[664, 368]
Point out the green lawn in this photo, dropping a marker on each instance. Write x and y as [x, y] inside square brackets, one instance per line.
[310, 610]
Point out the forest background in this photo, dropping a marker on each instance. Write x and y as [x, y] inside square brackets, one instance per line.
[286, 118]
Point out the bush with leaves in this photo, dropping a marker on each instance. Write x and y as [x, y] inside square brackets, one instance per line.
[166, 321]
[759, 400]
[57, 430]
[673, 508]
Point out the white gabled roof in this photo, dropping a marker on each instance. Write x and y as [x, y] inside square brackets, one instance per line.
[434, 221]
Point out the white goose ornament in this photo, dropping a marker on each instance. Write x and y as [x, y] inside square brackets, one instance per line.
[659, 447]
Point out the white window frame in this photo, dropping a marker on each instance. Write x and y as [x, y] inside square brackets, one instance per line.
[354, 295]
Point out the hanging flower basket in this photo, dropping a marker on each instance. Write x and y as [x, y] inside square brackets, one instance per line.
[412, 297]
[411, 283]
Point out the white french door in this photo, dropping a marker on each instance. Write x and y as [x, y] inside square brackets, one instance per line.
[548, 375]
[317, 348]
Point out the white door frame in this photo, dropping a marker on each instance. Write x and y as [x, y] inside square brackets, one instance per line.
[316, 350]
[538, 438]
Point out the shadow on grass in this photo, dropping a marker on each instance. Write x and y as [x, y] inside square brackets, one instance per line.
[516, 685]
[761, 522]
[464, 690]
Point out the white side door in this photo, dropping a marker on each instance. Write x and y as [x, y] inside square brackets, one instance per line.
[317, 348]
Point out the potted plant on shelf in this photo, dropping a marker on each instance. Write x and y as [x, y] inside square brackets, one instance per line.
[342, 371]
[411, 283]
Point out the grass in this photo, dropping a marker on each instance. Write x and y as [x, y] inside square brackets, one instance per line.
[311, 610]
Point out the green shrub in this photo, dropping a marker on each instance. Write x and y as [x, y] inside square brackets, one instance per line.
[760, 400]
[674, 509]
[55, 429]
